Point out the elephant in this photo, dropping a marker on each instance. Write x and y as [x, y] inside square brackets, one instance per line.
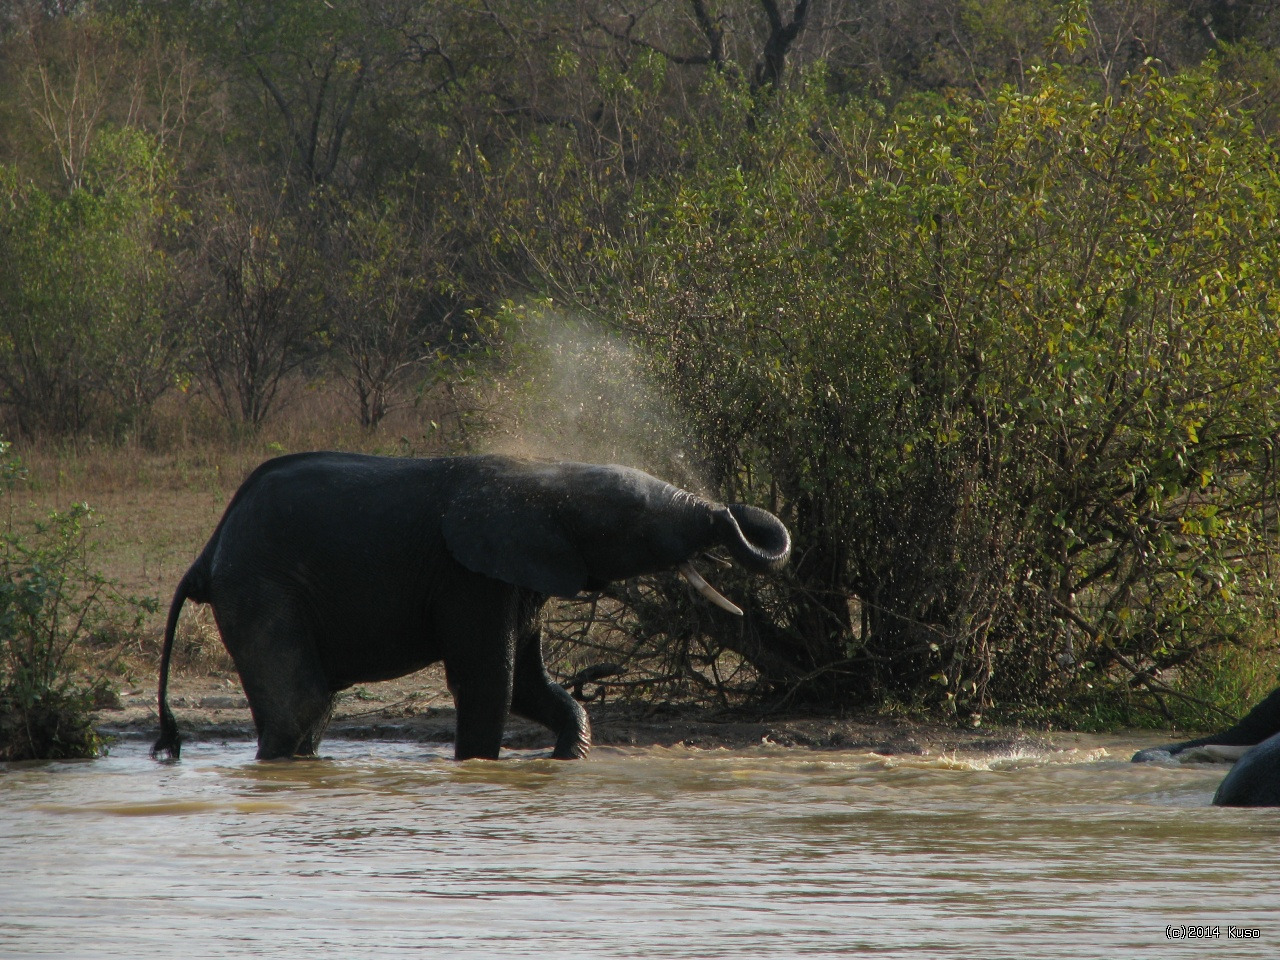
[1254, 781]
[331, 569]
[1254, 745]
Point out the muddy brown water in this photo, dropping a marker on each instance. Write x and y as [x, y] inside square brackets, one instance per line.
[384, 850]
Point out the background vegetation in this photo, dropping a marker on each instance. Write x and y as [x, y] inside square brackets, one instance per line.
[981, 297]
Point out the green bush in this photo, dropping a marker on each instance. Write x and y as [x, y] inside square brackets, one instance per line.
[1009, 365]
[51, 603]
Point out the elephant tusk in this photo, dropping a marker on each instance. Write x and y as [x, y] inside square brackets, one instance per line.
[707, 590]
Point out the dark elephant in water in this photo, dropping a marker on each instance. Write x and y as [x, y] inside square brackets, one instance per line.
[1254, 743]
[332, 569]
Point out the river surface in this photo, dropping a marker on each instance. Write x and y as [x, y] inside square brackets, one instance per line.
[384, 850]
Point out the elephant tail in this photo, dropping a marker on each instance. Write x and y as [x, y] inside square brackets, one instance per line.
[170, 741]
[756, 538]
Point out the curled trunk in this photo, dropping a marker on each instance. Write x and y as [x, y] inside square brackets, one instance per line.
[754, 537]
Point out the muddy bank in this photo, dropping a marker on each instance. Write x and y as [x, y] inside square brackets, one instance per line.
[419, 709]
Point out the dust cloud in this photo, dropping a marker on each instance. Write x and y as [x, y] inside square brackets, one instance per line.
[579, 393]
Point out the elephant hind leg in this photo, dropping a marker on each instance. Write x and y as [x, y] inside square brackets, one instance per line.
[298, 730]
[283, 679]
[536, 697]
[291, 716]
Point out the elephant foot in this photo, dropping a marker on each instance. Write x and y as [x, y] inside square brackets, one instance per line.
[573, 746]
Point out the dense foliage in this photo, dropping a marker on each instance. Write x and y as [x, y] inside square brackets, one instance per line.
[981, 296]
[87, 324]
[1011, 367]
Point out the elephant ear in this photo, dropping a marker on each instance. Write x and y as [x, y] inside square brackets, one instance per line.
[502, 527]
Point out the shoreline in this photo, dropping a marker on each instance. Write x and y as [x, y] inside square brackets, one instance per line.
[212, 708]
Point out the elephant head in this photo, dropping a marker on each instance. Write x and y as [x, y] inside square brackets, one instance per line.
[562, 528]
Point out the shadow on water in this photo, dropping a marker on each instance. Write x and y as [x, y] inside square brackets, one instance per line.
[384, 848]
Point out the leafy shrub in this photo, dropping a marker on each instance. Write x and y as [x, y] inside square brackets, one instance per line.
[50, 603]
[1009, 365]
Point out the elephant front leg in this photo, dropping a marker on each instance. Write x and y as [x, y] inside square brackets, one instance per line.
[538, 698]
[482, 700]
[476, 621]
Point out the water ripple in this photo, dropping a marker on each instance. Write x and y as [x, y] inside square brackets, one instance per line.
[389, 849]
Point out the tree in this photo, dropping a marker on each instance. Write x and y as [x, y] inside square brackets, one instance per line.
[88, 337]
[386, 275]
[301, 75]
[255, 298]
[708, 39]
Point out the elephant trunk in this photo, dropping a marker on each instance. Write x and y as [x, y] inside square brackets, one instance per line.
[754, 537]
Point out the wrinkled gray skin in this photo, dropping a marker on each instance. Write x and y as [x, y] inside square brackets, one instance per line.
[332, 569]
[1254, 743]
